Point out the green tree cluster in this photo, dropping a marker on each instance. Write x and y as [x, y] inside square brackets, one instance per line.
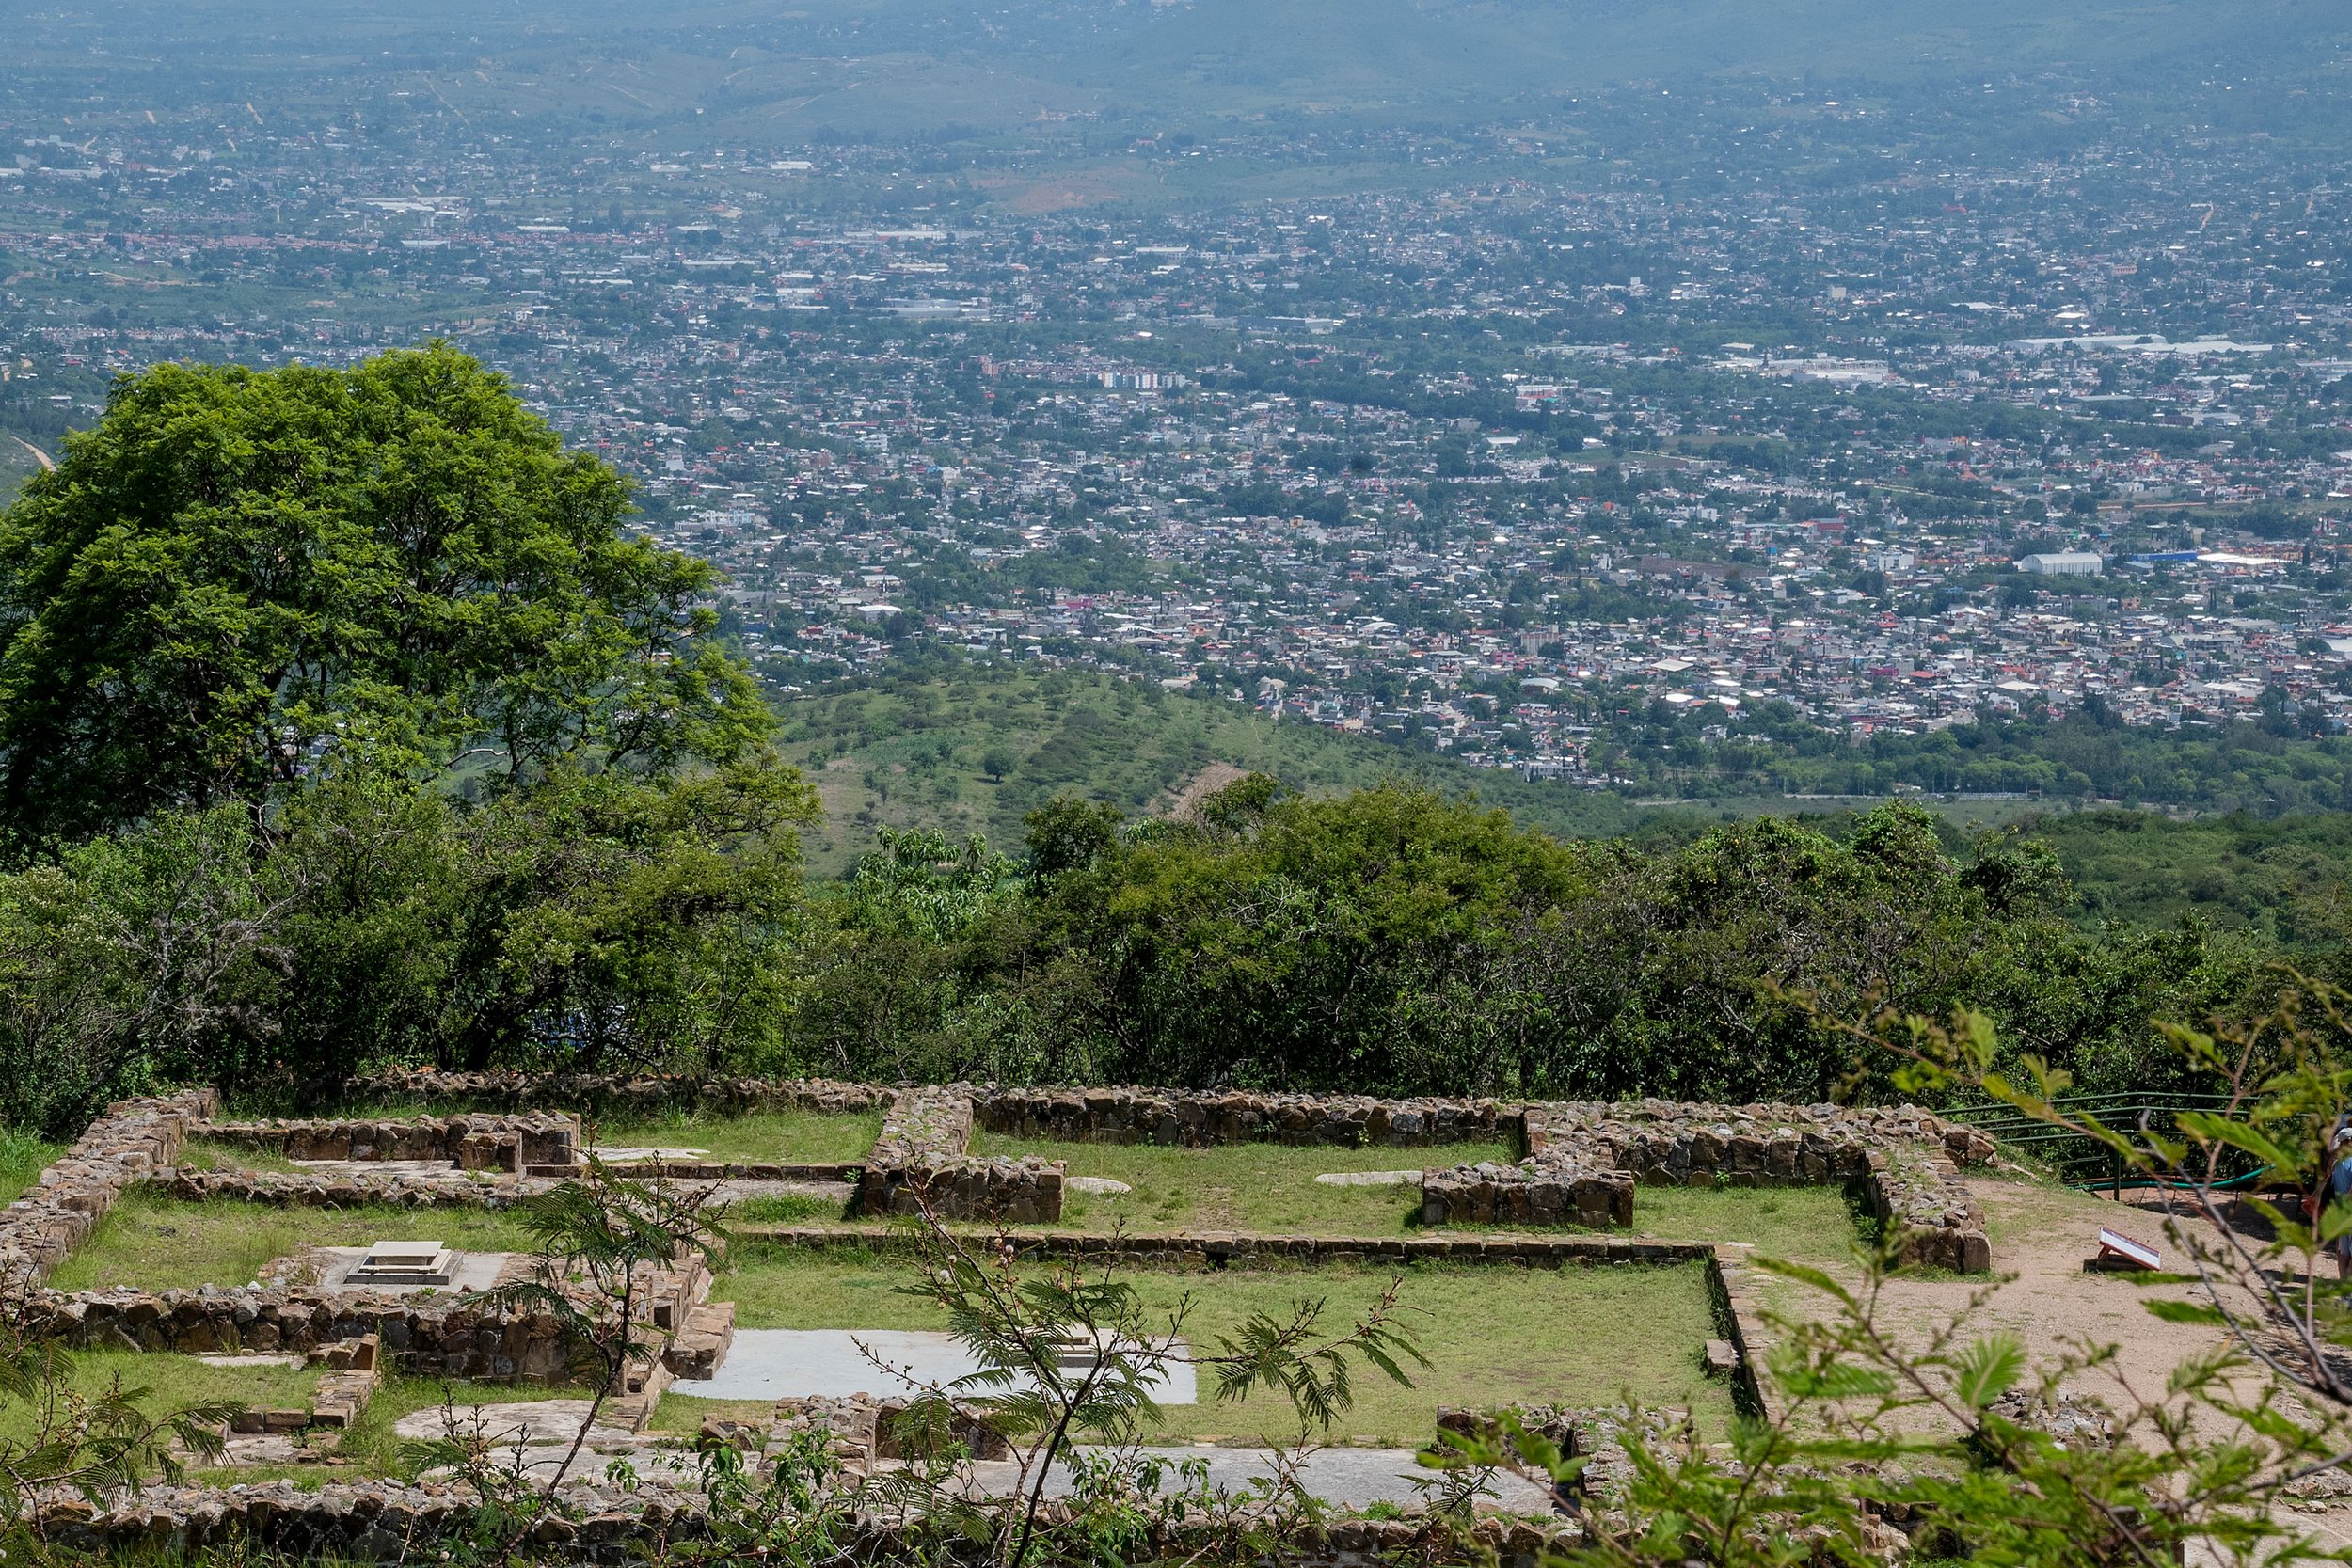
[239, 577]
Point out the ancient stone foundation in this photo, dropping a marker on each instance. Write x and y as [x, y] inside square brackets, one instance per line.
[512, 1143]
[919, 1160]
[130, 1143]
[611, 1523]
[605, 1093]
[1202, 1119]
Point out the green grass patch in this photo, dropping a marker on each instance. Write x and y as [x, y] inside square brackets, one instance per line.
[1804, 1224]
[775, 1137]
[1268, 1189]
[23, 1157]
[1579, 1336]
[228, 1154]
[158, 1244]
[785, 1208]
[169, 1382]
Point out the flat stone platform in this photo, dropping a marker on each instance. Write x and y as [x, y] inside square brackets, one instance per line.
[804, 1363]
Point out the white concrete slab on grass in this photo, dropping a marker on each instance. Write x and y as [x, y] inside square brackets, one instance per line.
[472, 1270]
[805, 1363]
[1370, 1179]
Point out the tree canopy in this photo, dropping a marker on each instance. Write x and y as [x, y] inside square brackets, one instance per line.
[241, 578]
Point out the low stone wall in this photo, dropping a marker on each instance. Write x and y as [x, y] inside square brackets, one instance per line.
[355, 1521]
[865, 1429]
[1017, 1191]
[1556, 1191]
[920, 1158]
[1905, 1162]
[848, 1173]
[1218, 1250]
[611, 1093]
[924, 1127]
[611, 1523]
[1669, 1143]
[1940, 1221]
[456, 1336]
[482, 1142]
[1204, 1119]
[428, 1335]
[344, 1390]
[346, 1189]
[129, 1143]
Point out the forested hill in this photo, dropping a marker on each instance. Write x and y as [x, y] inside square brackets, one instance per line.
[974, 750]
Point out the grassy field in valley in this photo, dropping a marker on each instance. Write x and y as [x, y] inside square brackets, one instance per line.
[919, 749]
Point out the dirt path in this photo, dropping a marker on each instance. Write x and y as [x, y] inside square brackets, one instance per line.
[1215, 776]
[2041, 1235]
[47, 465]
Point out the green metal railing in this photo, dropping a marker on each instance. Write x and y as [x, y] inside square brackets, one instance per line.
[2085, 1161]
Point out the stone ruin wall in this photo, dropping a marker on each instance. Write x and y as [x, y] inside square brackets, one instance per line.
[132, 1142]
[515, 1143]
[1206, 1119]
[1583, 1161]
[1581, 1164]
[453, 1336]
[921, 1158]
[387, 1521]
[605, 1094]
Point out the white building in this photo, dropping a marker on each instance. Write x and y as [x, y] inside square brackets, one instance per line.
[2063, 564]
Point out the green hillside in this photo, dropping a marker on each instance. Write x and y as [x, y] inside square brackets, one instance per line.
[919, 750]
[2283, 878]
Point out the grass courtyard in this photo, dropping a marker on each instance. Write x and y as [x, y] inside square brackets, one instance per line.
[1577, 1335]
[160, 1243]
[776, 1137]
[165, 1381]
[1269, 1189]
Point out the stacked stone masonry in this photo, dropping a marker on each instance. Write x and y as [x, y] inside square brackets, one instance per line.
[920, 1160]
[350, 1188]
[606, 1094]
[482, 1142]
[608, 1523]
[1201, 1120]
[1217, 1249]
[1583, 1160]
[459, 1336]
[132, 1142]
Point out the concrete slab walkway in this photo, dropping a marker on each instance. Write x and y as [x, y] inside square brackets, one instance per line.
[802, 1363]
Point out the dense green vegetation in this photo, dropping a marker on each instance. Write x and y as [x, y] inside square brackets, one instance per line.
[237, 573]
[2281, 877]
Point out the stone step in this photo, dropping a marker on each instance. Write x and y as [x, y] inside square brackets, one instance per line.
[704, 1342]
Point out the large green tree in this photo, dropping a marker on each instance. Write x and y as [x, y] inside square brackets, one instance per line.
[241, 578]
